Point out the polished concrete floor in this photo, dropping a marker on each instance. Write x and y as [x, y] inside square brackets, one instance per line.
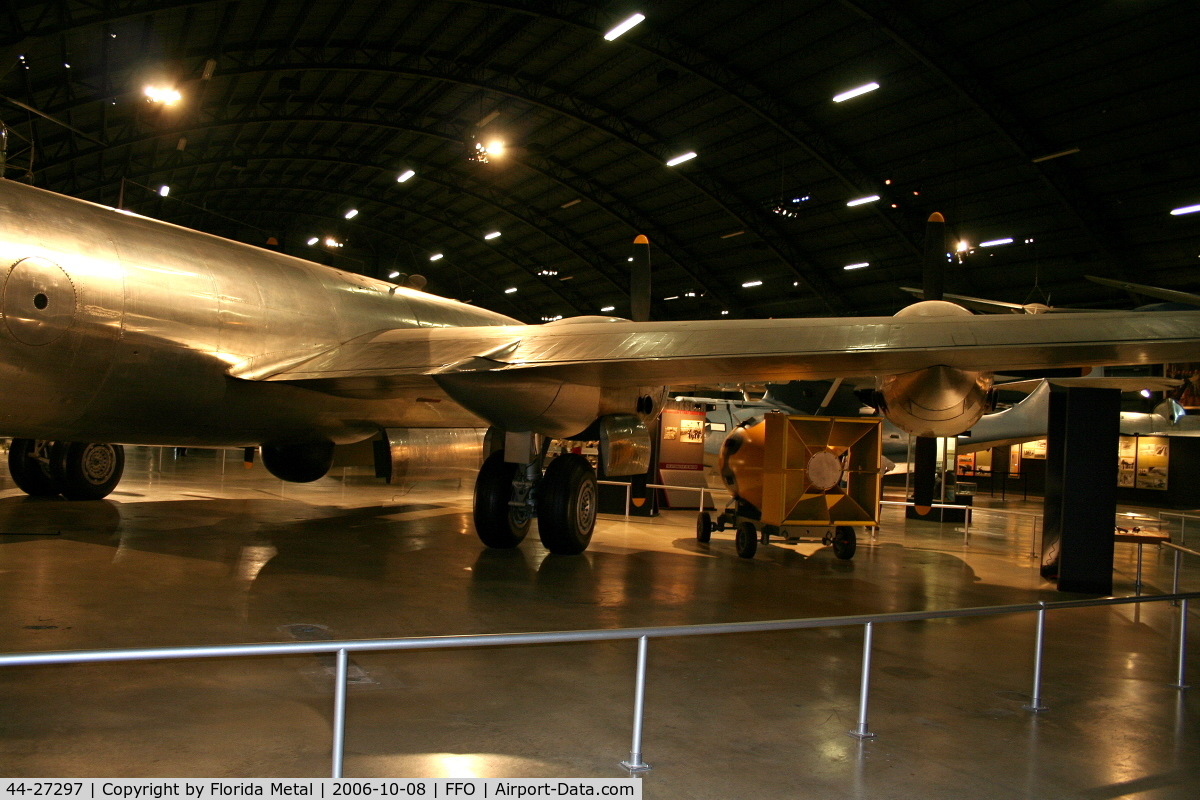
[198, 550]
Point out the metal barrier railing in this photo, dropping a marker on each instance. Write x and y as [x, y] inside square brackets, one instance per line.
[703, 490]
[1183, 518]
[642, 635]
[1033, 536]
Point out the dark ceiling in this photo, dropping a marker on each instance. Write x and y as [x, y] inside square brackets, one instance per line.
[293, 113]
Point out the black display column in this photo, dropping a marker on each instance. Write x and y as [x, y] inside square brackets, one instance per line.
[1081, 489]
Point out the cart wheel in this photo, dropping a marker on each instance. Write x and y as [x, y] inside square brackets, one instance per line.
[844, 542]
[746, 540]
[704, 527]
[720, 522]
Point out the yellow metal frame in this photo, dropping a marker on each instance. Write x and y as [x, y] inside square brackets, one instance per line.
[789, 498]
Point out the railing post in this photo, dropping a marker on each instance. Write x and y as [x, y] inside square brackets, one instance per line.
[628, 495]
[339, 713]
[635, 763]
[1175, 579]
[1035, 703]
[1137, 582]
[1183, 612]
[860, 730]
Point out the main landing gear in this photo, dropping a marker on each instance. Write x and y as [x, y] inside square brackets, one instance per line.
[76, 470]
[564, 499]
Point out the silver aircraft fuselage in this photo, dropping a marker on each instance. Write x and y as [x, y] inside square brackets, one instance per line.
[117, 328]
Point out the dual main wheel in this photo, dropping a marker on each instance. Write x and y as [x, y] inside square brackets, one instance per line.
[566, 504]
[76, 470]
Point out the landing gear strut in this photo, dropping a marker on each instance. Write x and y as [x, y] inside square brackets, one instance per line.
[565, 501]
[76, 470]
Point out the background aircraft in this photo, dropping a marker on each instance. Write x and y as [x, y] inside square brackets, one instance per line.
[119, 328]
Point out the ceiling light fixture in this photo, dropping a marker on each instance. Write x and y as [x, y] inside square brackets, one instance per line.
[160, 94]
[858, 201]
[313, 240]
[492, 235]
[164, 190]
[731, 235]
[609, 308]
[495, 148]
[855, 92]
[393, 274]
[748, 284]
[859, 265]
[352, 213]
[1178, 212]
[436, 257]
[996, 242]
[624, 26]
[403, 176]
[570, 203]
[680, 159]
[510, 290]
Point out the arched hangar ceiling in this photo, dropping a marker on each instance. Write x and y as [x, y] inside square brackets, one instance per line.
[292, 113]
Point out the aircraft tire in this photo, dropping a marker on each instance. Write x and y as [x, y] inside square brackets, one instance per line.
[567, 504]
[844, 542]
[745, 541]
[28, 474]
[86, 470]
[497, 524]
[704, 527]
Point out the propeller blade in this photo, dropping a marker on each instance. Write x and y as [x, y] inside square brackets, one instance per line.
[933, 262]
[639, 280]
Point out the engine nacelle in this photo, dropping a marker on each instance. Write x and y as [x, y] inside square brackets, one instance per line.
[937, 401]
[412, 454]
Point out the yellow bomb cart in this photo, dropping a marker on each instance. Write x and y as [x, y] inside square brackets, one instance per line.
[793, 477]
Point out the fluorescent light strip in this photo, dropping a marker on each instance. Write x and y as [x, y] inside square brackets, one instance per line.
[492, 235]
[855, 92]
[624, 26]
[857, 266]
[510, 290]
[403, 176]
[749, 284]
[352, 213]
[996, 242]
[680, 159]
[436, 257]
[609, 308]
[731, 235]
[858, 201]
[1179, 212]
[313, 240]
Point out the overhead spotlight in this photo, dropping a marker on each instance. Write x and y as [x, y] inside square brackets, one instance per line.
[436, 257]
[403, 176]
[855, 92]
[162, 94]
[313, 240]
[962, 246]
[858, 201]
[549, 273]
[479, 154]
[495, 148]
[164, 190]
[331, 242]
[492, 235]
[724, 313]
[624, 26]
[352, 213]
[680, 159]
[1145, 393]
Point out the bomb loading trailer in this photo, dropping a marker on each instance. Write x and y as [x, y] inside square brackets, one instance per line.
[793, 476]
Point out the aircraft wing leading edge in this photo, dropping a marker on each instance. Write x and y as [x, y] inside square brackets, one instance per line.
[624, 354]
